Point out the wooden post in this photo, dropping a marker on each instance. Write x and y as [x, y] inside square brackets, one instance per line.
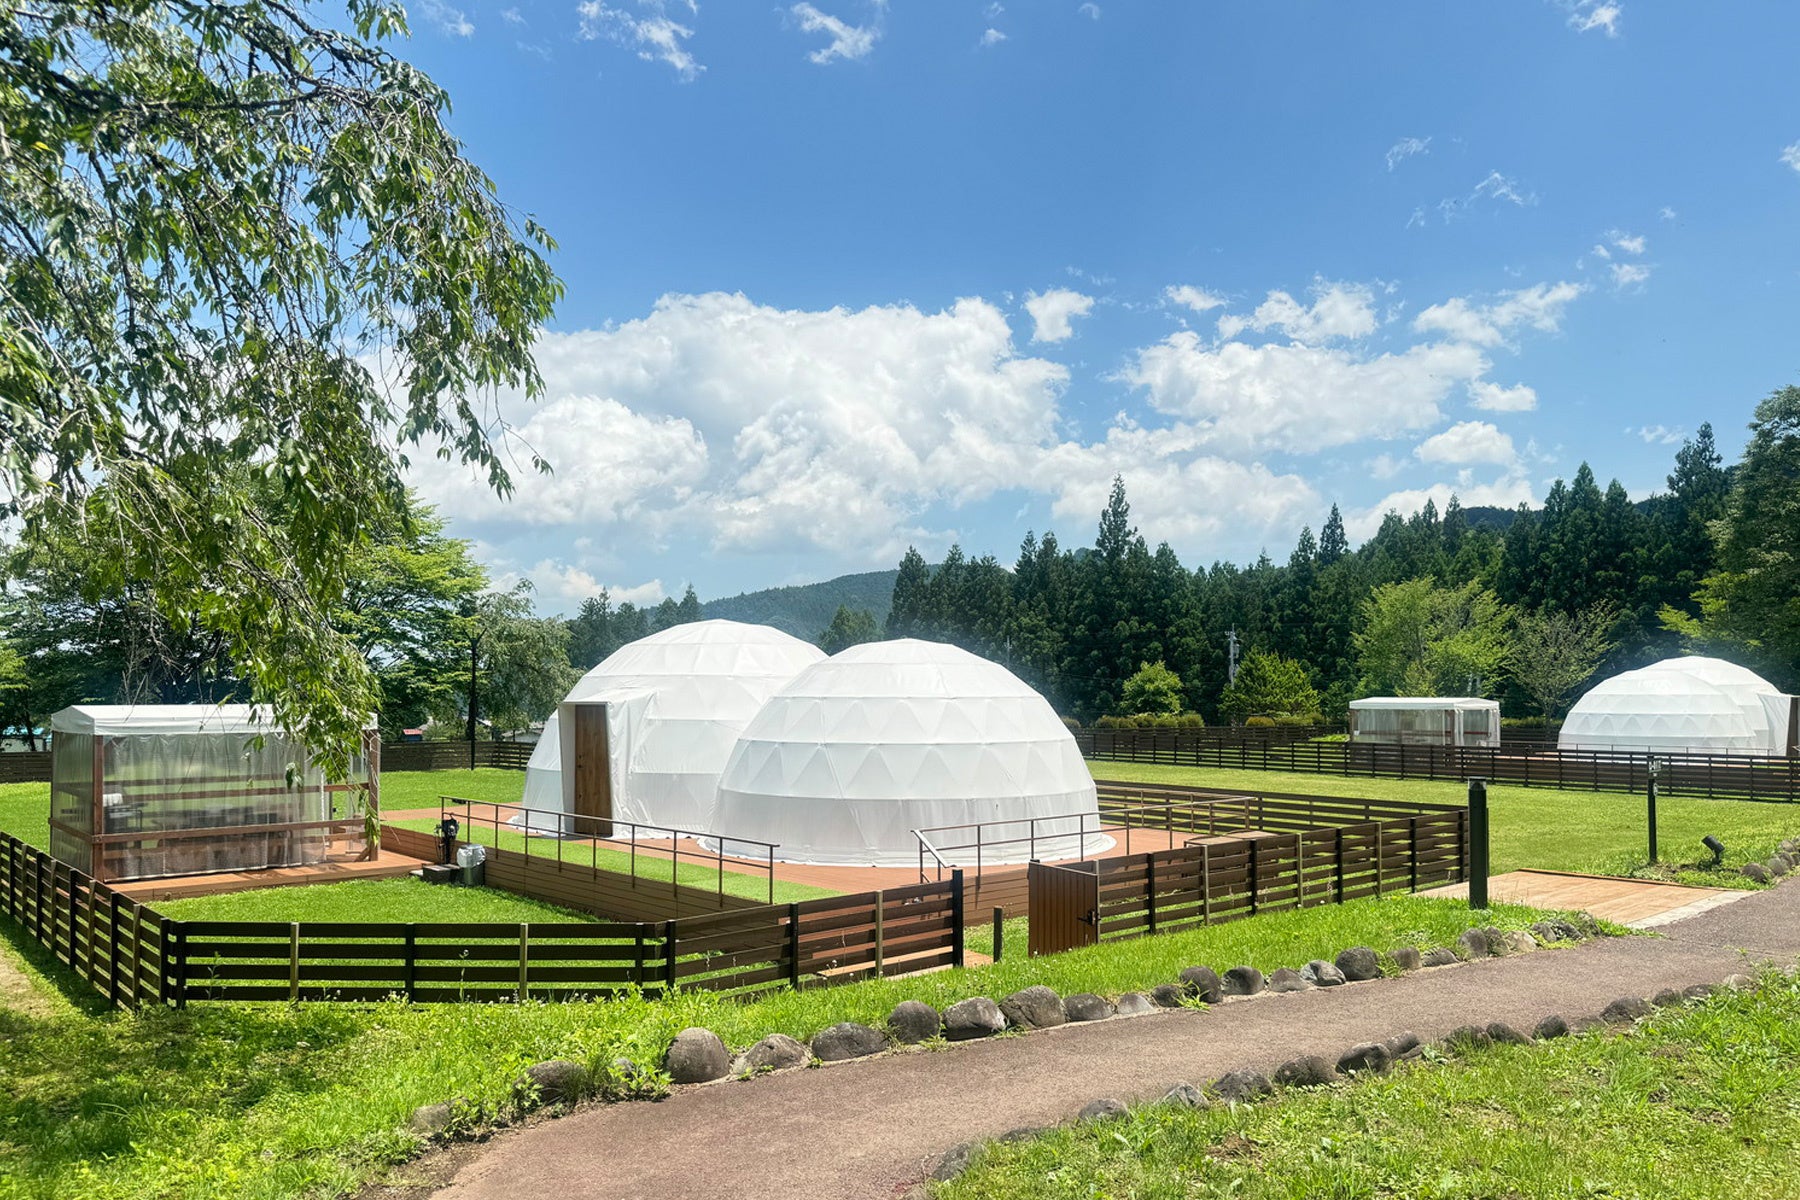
[880, 930]
[294, 963]
[671, 936]
[524, 958]
[97, 850]
[1150, 890]
[956, 912]
[1206, 883]
[412, 960]
[999, 930]
[793, 946]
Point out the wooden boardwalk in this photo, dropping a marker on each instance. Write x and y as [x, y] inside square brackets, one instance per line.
[387, 865]
[1639, 902]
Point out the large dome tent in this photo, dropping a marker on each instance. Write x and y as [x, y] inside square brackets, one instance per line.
[1689, 705]
[857, 752]
[676, 702]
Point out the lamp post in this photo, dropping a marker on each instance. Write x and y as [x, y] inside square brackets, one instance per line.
[1478, 842]
[1654, 769]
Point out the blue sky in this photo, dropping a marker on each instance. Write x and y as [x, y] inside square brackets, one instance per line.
[845, 276]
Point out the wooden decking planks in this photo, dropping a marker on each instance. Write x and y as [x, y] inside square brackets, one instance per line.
[1609, 897]
[387, 865]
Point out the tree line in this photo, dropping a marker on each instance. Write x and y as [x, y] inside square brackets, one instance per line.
[1524, 606]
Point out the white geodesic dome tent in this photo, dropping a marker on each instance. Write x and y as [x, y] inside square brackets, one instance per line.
[675, 704]
[1687, 705]
[857, 752]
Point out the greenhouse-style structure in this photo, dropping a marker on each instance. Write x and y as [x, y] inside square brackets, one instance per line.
[1425, 721]
[151, 790]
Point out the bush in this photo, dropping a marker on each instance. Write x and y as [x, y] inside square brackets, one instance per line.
[1297, 720]
[1191, 721]
[1260, 722]
[1071, 724]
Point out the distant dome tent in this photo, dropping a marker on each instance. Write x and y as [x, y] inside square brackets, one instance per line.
[675, 703]
[1689, 705]
[857, 752]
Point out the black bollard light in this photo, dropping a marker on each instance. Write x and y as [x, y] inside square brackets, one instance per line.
[1478, 842]
[1717, 847]
[1654, 768]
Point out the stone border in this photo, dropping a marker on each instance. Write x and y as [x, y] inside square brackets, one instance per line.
[1246, 1086]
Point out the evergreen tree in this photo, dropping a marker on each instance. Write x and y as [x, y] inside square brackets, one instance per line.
[1333, 545]
[908, 615]
[849, 627]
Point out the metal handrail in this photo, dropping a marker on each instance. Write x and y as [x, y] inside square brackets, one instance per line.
[925, 845]
[673, 835]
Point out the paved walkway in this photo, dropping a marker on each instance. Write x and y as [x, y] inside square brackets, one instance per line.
[875, 1127]
[1640, 903]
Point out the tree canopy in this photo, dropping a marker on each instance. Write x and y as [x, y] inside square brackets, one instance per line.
[850, 627]
[242, 256]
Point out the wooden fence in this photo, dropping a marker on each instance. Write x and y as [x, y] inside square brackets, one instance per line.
[1738, 777]
[135, 956]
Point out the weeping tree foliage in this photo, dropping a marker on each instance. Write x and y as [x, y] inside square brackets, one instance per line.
[241, 256]
[1551, 653]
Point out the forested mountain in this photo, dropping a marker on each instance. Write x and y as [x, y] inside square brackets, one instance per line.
[807, 609]
[1631, 582]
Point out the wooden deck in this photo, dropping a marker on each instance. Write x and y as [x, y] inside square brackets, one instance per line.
[1638, 902]
[387, 865]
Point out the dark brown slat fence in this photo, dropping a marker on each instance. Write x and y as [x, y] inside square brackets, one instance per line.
[135, 956]
[1735, 777]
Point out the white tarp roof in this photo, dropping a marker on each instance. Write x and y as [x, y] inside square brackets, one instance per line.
[858, 751]
[1680, 705]
[165, 720]
[677, 701]
[1416, 702]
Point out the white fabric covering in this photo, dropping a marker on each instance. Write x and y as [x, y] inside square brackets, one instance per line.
[1426, 720]
[676, 702]
[1680, 705]
[858, 751]
[163, 720]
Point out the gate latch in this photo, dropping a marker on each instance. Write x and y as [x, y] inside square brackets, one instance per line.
[1091, 917]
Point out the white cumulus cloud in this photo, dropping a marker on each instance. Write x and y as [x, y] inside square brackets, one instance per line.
[1188, 296]
[1405, 148]
[992, 37]
[1053, 313]
[1791, 156]
[1494, 398]
[848, 41]
[1587, 15]
[653, 35]
[1488, 324]
[1337, 311]
[449, 20]
[1468, 442]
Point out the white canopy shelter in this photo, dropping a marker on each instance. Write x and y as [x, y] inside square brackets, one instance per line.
[845, 762]
[1426, 720]
[675, 704]
[1689, 705]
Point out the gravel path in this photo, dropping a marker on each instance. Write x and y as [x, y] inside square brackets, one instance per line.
[875, 1127]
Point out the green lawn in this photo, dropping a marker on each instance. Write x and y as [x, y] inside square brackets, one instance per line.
[374, 900]
[1697, 1102]
[1599, 832]
[421, 789]
[25, 812]
[271, 1102]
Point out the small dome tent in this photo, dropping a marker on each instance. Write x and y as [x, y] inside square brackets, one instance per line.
[846, 761]
[1679, 706]
[676, 702]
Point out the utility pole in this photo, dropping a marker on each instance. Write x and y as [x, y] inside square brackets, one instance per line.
[1231, 641]
[471, 612]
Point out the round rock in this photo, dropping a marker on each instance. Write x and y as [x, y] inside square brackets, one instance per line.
[1517, 941]
[556, 1081]
[1286, 979]
[1243, 981]
[1085, 1006]
[1700, 991]
[1403, 1045]
[1308, 1071]
[696, 1056]
[913, 1021]
[1202, 983]
[1406, 958]
[1737, 983]
[1186, 1095]
[1755, 872]
[1322, 973]
[1359, 963]
[1625, 1009]
[777, 1052]
[1102, 1109]
[429, 1120]
[1474, 944]
[1551, 1026]
[1586, 1025]
[1439, 957]
[1669, 998]
[1133, 1004]
[976, 1017]
[847, 1039]
[1502, 1034]
[1468, 1037]
[1370, 1058]
[956, 1160]
[1239, 1086]
[1035, 1007]
[1168, 995]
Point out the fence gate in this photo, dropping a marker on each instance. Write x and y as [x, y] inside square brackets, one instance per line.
[1063, 905]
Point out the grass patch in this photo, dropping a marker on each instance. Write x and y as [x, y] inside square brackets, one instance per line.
[271, 1102]
[1698, 1102]
[1603, 833]
[421, 789]
[375, 900]
[25, 812]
